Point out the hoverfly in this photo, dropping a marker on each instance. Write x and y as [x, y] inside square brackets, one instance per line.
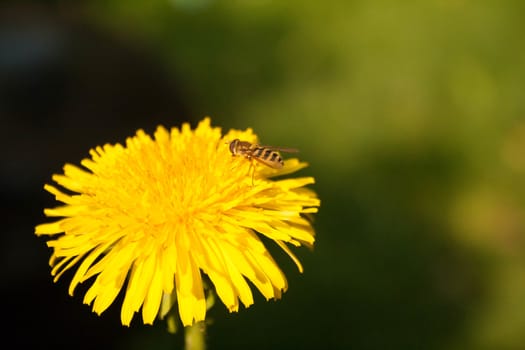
[267, 155]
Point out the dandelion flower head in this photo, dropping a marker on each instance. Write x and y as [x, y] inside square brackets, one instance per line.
[150, 219]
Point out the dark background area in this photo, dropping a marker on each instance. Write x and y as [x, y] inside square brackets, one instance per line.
[412, 118]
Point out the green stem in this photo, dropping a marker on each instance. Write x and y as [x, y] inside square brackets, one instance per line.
[194, 337]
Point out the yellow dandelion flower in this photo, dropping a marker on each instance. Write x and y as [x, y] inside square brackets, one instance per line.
[152, 216]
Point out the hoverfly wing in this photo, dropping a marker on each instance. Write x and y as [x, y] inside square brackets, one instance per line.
[281, 149]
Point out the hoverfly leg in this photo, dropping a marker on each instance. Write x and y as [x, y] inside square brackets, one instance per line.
[253, 172]
[253, 164]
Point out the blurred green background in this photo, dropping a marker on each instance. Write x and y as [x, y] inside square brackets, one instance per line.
[410, 113]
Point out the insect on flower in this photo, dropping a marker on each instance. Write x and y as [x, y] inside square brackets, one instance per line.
[267, 155]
